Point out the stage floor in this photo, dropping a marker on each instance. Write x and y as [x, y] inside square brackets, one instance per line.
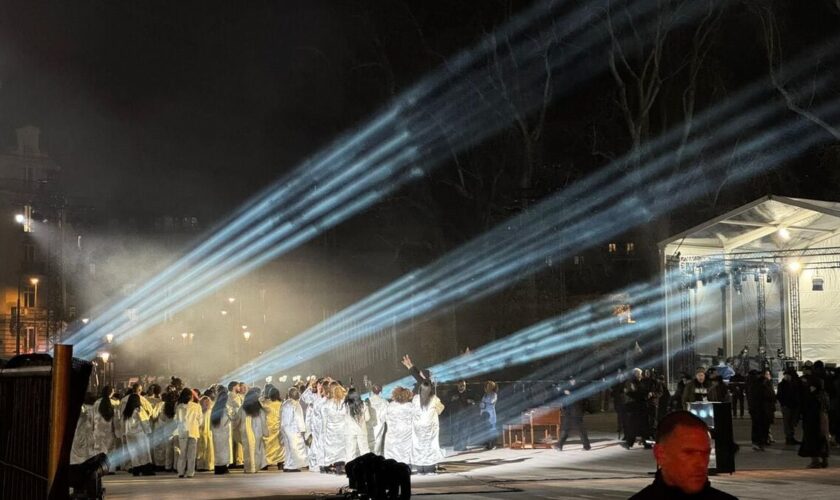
[606, 471]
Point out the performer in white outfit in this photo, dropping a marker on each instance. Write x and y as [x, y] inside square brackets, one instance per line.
[399, 419]
[252, 430]
[188, 419]
[235, 399]
[275, 452]
[204, 456]
[314, 399]
[333, 413]
[136, 431]
[426, 452]
[294, 427]
[376, 425]
[104, 419]
[82, 448]
[355, 426]
[220, 424]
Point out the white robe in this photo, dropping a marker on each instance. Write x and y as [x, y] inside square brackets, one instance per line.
[83, 438]
[399, 418]
[293, 427]
[222, 446]
[234, 404]
[355, 435]
[376, 424]
[314, 428]
[136, 432]
[204, 459]
[333, 414]
[425, 439]
[252, 430]
[104, 433]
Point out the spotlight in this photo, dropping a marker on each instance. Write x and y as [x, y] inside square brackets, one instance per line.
[784, 234]
[268, 379]
[817, 284]
[794, 266]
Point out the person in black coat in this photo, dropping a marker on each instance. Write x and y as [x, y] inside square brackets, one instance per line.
[682, 453]
[789, 395]
[461, 405]
[574, 408]
[814, 422]
[762, 406]
[636, 406]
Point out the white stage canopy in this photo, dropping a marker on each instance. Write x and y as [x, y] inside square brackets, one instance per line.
[771, 284]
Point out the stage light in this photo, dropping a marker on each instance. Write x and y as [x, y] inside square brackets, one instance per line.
[784, 233]
[794, 266]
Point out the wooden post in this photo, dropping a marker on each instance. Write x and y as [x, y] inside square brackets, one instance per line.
[59, 406]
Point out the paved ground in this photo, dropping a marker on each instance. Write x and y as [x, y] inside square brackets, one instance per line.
[607, 471]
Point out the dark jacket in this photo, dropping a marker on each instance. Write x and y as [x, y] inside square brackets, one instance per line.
[789, 393]
[660, 490]
[760, 399]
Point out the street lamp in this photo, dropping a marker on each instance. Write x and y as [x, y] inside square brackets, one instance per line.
[247, 335]
[20, 219]
[231, 299]
[109, 338]
[85, 321]
[224, 313]
[35, 282]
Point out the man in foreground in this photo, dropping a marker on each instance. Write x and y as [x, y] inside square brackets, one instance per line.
[682, 458]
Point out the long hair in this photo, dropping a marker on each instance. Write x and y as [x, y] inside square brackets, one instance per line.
[106, 409]
[251, 405]
[131, 404]
[274, 394]
[186, 396]
[425, 393]
[169, 400]
[355, 405]
[219, 407]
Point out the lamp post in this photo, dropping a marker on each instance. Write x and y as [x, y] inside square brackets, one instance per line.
[107, 368]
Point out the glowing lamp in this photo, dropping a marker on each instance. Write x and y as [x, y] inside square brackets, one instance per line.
[247, 335]
[109, 338]
[105, 356]
[20, 219]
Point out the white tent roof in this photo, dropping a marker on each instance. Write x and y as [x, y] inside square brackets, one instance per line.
[758, 227]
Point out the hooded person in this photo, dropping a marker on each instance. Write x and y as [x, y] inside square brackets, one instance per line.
[82, 448]
[293, 430]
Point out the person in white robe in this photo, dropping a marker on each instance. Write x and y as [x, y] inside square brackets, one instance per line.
[425, 450]
[220, 425]
[188, 419]
[105, 418]
[235, 399]
[293, 427]
[333, 413]
[158, 451]
[355, 426]
[378, 406]
[205, 457]
[82, 447]
[314, 398]
[166, 438]
[275, 452]
[399, 419]
[136, 431]
[252, 430]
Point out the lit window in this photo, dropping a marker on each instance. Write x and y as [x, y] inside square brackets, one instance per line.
[612, 247]
[30, 339]
[578, 260]
[28, 296]
[631, 247]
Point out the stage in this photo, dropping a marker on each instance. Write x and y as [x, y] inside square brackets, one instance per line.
[607, 471]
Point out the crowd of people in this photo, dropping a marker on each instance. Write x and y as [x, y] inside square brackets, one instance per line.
[318, 425]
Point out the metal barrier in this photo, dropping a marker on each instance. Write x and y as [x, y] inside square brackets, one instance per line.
[40, 402]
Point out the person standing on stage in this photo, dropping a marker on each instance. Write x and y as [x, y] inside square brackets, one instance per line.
[314, 398]
[488, 414]
[104, 420]
[235, 400]
[334, 413]
[252, 430]
[220, 425]
[574, 409]
[355, 426]
[399, 420]
[425, 450]
[204, 456]
[136, 431]
[293, 429]
[461, 419]
[188, 419]
[376, 425]
[275, 453]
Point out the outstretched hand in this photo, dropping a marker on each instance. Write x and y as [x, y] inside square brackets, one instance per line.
[406, 362]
